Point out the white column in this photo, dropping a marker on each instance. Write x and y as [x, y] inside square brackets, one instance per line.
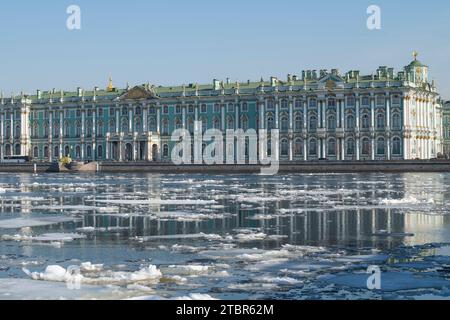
[118, 121]
[130, 118]
[372, 111]
[277, 113]
[223, 117]
[61, 134]
[158, 119]
[144, 118]
[2, 150]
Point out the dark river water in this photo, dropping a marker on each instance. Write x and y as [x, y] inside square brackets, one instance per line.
[305, 236]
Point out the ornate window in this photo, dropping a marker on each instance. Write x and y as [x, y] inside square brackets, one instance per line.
[396, 146]
[313, 147]
[216, 108]
[165, 127]
[216, 123]
[332, 147]
[350, 122]
[112, 126]
[125, 125]
[270, 123]
[350, 147]
[244, 123]
[365, 121]
[165, 151]
[100, 152]
[178, 124]
[203, 108]
[396, 121]
[331, 122]
[298, 147]
[298, 123]
[381, 101]
[245, 107]
[230, 107]
[78, 129]
[381, 146]
[284, 147]
[366, 146]
[312, 103]
[284, 104]
[284, 123]
[312, 123]
[380, 121]
[230, 123]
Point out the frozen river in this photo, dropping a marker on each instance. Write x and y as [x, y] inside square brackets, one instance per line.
[119, 236]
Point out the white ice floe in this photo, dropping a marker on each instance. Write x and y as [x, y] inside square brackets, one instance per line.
[158, 202]
[192, 296]
[186, 270]
[20, 223]
[182, 237]
[47, 237]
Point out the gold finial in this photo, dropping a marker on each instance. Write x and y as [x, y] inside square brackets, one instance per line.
[415, 54]
[110, 87]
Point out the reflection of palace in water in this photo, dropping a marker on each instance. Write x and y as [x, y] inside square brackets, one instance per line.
[320, 224]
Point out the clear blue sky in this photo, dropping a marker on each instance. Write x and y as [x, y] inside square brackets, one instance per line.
[176, 41]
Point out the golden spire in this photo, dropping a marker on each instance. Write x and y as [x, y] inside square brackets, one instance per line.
[110, 87]
[415, 54]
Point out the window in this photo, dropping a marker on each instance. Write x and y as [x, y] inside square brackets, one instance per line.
[365, 101]
[152, 124]
[332, 147]
[331, 122]
[100, 152]
[284, 147]
[380, 121]
[18, 151]
[312, 103]
[298, 147]
[165, 151]
[217, 108]
[112, 126]
[191, 109]
[89, 151]
[230, 107]
[284, 104]
[350, 147]
[380, 146]
[111, 112]
[152, 110]
[270, 104]
[124, 111]
[89, 113]
[313, 147]
[56, 152]
[381, 101]
[191, 125]
[78, 113]
[351, 102]
[35, 151]
[138, 110]
[230, 123]
[125, 125]
[166, 110]
[396, 100]
[216, 123]
[396, 146]
[284, 123]
[350, 122]
[137, 124]
[178, 109]
[298, 104]
[331, 103]
[100, 112]
[78, 129]
[100, 128]
[165, 127]
[366, 146]
[365, 121]
[270, 123]
[245, 107]
[203, 108]
[244, 123]
[178, 124]
[396, 122]
[312, 123]
[298, 123]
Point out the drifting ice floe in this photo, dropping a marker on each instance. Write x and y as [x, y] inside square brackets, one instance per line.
[33, 222]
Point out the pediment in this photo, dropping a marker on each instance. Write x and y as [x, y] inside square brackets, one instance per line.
[331, 82]
[139, 93]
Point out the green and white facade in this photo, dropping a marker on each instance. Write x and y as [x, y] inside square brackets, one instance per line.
[320, 115]
[446, 128]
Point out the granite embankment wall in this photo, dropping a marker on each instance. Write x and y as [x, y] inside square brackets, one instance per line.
[291, 167]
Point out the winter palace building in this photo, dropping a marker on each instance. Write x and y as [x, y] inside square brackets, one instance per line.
[320, 114]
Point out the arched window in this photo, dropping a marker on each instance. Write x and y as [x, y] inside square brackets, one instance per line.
[112, 126]
[152, 124]
[366, 146]
[66, 129]
[56, 152]
[165, 127]
[270, 123]
[18, 150]
[165, 151]
[46, 154]
[35, 130]
[298, 123]
[269, 148]
[78, 129]
[138, 110]
[46, 130]
[350, 147]
[191, 125]
[332, 147]
[89, 129]
[89, 151]
[78, 152]
[313, 147]
[216, 123]
[17, 132]
[284, 104]
[230, 107]
[284, 147]
[312, 123]
[100, 129]
[298, 147]
[178, 124]
[365, 121]
[100, 152]
[230, 123]
[8, 132]
[350, 122]
[331, 122]
[284, 123]
[204, 124]
[137, 124]
[396, 146]
[35, 152]
[124, 111]
[380, 121]
[381, 146]
[396, 122]
[67, 151]
[244, 123]
[55, 129]
[125, 125]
